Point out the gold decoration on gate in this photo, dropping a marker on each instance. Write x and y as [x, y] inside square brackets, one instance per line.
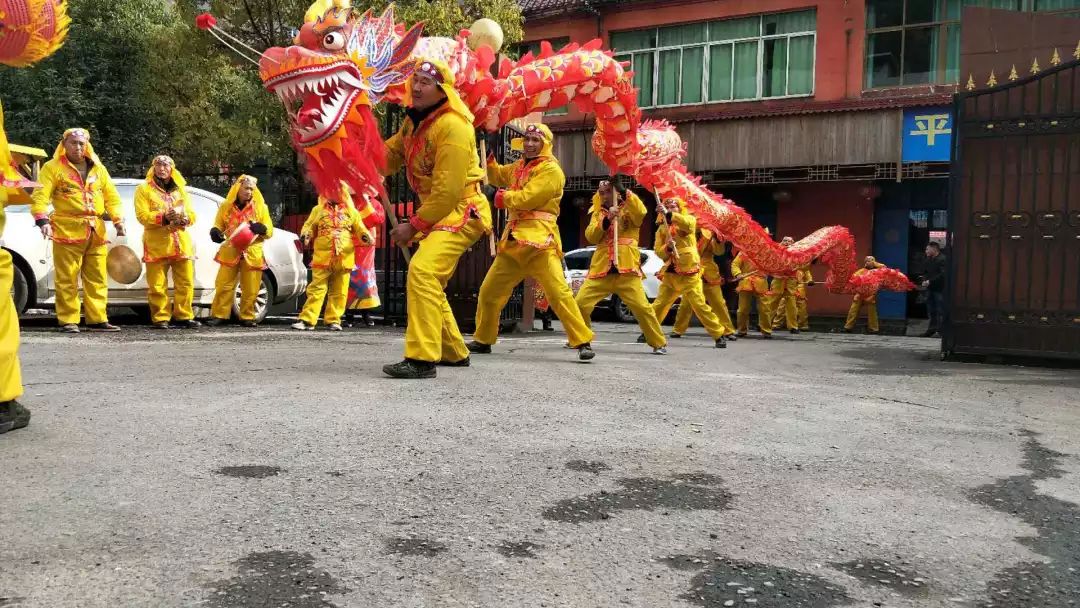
[1012, 73]
[1035, 66]
[1056, 59]
[970, 83]
[1076, 53]
[993, 80]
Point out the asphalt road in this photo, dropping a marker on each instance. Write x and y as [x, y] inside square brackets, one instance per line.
[239, 468]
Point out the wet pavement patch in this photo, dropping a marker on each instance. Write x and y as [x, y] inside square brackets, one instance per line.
[5, 602]
[254, 471]
[422, 547]
[587, 466]
[885, 574]
[1054, 583]
[730, 582]
[518, 549]
[689, 492]
[275, 578]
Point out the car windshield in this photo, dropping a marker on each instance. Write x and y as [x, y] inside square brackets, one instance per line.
[579, 260]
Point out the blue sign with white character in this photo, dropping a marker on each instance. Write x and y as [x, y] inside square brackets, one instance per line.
[927, 134]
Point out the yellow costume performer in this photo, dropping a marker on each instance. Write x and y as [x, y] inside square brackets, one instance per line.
[83, 197]
[622, 279]
[676, 244]
[243, 205]
[530, 245]
[437, 147]
[803, 279]
[751, 287]
[713, 285]
[870, 301]
[29, 32]
[333, 224]
[163, 207]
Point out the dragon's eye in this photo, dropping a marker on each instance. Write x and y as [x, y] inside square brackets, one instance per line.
[334, 41]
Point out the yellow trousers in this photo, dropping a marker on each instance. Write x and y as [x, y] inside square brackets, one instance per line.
[157, 290]
[511, 266]
[630, 290]
[782, 301]
[85, 261]
[10, 374]
[329, 284]
[871, 315]
[693, 297]
[801, 313]
[746, 300]
[714, 295]
[225, 290]
[432, 333]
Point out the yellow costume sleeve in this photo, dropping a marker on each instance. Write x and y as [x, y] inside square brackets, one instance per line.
[453, 160]
[684, 223]
[737, 266]
[634, 209]
[222, 216]
[594, 232]
[661, 240]
[312, 222]
[545, 182]
[113, 206]
[500, 175]
[144, 208]
[262, 215]
[42, 197]
[395, 154]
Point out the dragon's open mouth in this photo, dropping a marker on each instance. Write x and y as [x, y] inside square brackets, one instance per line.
[317, 99]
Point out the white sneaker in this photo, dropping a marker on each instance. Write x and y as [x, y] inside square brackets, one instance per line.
[334, 327]
[300, 325]
[659, 350]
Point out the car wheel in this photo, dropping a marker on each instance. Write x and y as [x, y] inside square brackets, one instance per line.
[622, 311]
[263, 300]
[20, 290]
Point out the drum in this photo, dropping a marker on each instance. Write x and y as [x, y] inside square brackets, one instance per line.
[242, 237]
[122, 265]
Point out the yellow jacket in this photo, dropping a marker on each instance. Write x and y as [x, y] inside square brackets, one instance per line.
[676, 244]
[871, 299]
[443, 168]
[163, 241]
[756, 284]
[631, 216]
[804, 276]
[709, 247]
[229, 218]
[532, 198]
[77, 207]
[333, 226]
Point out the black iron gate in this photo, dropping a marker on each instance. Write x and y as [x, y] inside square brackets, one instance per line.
[464, 286]
[1014, 283]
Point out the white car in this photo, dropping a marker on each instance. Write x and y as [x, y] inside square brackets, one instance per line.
[35, 287]
[576, 268]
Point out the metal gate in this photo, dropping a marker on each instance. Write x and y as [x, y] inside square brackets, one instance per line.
[464, 286]
[1014, 282]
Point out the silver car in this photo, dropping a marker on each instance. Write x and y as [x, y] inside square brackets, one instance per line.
[34, 286]
[576, 269]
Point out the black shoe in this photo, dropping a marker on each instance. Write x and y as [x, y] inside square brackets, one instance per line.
[103, 327]
[871, 332]
[215, 322]
[367, 320]
[641, 339]
[546, 326]
[478, 348]
[927, 334]
[410, 370]
[675, 335]
[251, 324]
[731, 338]
[766, 336]
[13, 415]
[795, 331]
[160, 325]
[462, 363]
[187, 324]
[721, 342]
[585, 352]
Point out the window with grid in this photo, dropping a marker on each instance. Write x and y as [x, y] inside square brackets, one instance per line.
[534, 48]
[912, 42]
[764, 56]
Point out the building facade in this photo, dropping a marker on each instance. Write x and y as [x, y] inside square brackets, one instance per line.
[806, 113]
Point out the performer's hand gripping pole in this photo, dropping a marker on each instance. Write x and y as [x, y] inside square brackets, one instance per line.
[615, 225]
[394, 224]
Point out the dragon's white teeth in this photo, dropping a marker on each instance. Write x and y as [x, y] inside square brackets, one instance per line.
[350, 80]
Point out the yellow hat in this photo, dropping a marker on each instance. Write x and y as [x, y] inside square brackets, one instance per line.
[536, 128]
[234, 192]
[441, 74]
[176, 177]
[78, 133]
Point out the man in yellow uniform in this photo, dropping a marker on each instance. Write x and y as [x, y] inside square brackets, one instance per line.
[621, 219]
[333, 224]
[530, 245]
[13, 415]
[752, 285]
[871, 302]
[676, 244]
[83, 198]
[713, 285]
[243, 205]
[804, 278]
[781, 299]
[163, 207]
[437, 147]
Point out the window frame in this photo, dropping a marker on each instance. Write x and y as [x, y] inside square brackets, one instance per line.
[707, 45]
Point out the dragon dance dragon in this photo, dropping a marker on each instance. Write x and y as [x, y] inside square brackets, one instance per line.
[30, 30]
[343, 63]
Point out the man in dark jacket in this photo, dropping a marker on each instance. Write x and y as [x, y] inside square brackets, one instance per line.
[934, 283]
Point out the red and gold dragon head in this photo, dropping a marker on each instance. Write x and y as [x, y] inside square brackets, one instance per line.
[340, 65]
